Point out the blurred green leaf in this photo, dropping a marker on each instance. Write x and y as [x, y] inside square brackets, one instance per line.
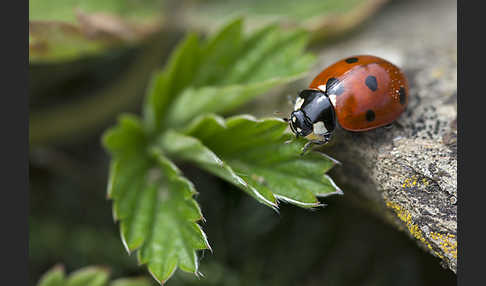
[153, 203]
[62, 30]
[57, 41]
[54, 277]
[301, 10]
[252, 155]
[320, 17]
[87, 276]
[65, 10]
[223, 73]
[131, 282]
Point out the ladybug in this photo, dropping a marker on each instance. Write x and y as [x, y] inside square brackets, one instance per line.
[360, 93]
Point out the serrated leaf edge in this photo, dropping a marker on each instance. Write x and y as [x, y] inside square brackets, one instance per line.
[289, 200]
[224, 124]
[337, 192]
[221, 163]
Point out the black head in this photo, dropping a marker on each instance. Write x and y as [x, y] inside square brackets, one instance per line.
[300, 124]
[313, 112]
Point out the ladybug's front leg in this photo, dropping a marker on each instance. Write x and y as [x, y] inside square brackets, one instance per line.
[325, 138]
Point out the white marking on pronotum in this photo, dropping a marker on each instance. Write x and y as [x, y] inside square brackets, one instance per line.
[322, 87]
[319, 128]
[332, 98]
[299, 129]
[298, 103]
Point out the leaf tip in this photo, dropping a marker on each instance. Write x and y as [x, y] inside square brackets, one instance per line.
[205, 238]
[155, 277]
[272, 204]
[335, 161]
[125, 244]
[165, 279]
[338, 189]
[297, 203]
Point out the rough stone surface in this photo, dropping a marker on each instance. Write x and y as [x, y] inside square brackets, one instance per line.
[406, 174]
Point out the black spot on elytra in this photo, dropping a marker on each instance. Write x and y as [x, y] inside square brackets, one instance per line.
[334, 86]
[371, 83]
[402, 95]
[370, 115]
[351, 60]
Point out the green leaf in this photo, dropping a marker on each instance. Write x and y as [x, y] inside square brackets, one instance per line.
[223, 72]
[153, 202]
[253, 155]
[57, 41]
[54, 277]
[320, 17]
[87, 276]
[165, 85]
[65, 10]
[65, 30]
[131, 282]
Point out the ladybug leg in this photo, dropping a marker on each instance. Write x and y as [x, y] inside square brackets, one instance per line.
[394, 123]
[325, 138]
[310, 143]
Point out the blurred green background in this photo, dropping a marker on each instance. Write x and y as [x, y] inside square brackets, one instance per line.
[90, 60]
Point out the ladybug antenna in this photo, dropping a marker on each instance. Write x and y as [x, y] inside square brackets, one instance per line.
[277, 113]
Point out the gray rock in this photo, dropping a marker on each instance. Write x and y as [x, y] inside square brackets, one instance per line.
[407, 174]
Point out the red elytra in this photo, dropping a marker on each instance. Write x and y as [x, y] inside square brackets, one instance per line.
[369, 91]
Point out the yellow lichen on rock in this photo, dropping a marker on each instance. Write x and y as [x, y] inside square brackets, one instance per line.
[406, 217]
[447, 242]
[414, 181]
